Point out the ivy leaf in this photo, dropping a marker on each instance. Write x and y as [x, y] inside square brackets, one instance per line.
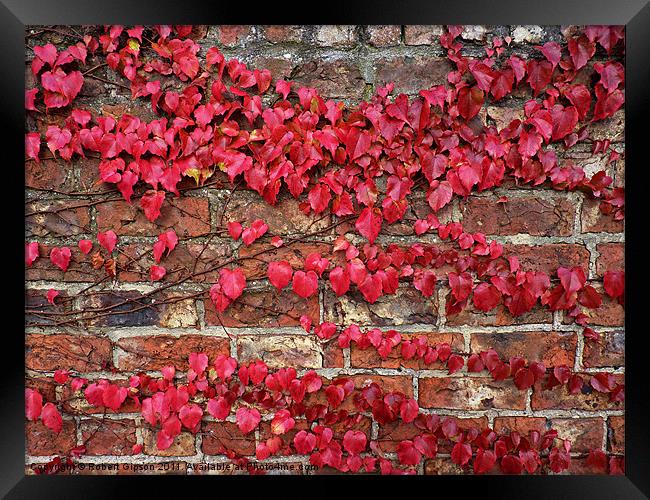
[156, 273]
[51, 418]
[33, 404]
[614, 283]
[107, 240]
[470, 101]
[279, 273]
[51, 295]
[305, 284]
[247, 419]
[232, 282]
[60, 257]
[151, 203]
[31, 252]
[369, 223]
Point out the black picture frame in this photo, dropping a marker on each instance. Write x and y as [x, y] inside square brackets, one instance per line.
[634, 14]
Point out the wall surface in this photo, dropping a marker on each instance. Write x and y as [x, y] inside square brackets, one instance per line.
[545, 228]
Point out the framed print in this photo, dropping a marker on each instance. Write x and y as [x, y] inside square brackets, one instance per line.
[394, 244]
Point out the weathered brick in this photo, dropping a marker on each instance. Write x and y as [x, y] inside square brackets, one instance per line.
[384, 35]
[412, 73]
[522, 425]
[333, 356]
[560, 399]
[499, 316]
[443, 466]
[277, 351]
[370, 358]
[184, 444]
[219, 437]
[280, 67]
[551, 348]
[56, 219]
[46, 386]
[611, 258]
[527, 34]
[422, 34]
[108, 437]
[594, 221]
[608, 351]
[531, 215]
[612, 128]
[336, 35]
[503, 116]
[49, 174]
[83, 353]
[548, 258]
[283, 33]
[474, 32]
[264, 308]
[579, 466]
[153, 352]
[585, 434]
[616, 434]
[187, 216]
[336, 79]
[39, 309]
[470, 393]
[42, 441]
[284, 218]
[407, 306]
[234, 35]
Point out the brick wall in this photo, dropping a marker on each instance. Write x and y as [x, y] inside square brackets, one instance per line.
[543, 227]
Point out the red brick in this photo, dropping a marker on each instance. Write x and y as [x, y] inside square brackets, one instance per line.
[422, 34]
[407, 306]
[411, 74]
[46, 386]
[42, 441]
[384, 36]
[470, 393]
[594, 221]
[579, 467]
[283, 33]
[255, 266]
[221, 436]
[280, 351]
[154, 352]
[499, 316]
[333, 356]
[187, 216]
[551, 348]
[616, 434]
[264, 308]
[522, 425]
[443, 466]
[611, 258]
[608, 351]
[370, 358]
[585, 434]
[284, 218]
[49, 175]
[280, 67]
[38, 307]
[83, 353]
[531, 215]
[184, 444]
[559, 398]
[336, 79]
[233, 35]
[548, 258]
[108, 437]
[56, 219]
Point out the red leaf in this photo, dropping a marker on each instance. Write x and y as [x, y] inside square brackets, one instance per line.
[425, 281]
[60, 257]
[407, 453]
[51, 295]
[234, 229]
[107, 240]
[156, 273]
[247, 419]
[31, 252]
[219, 408]
[614, 283]
[279, 273]
[51, 417]
[319, 197]
[190, 416]
[354, 442]
[33, 404]
[455, 363]
[304, 442]
[232, 282]
[305, 284]
[581, 50]
[151, 203]
[461, 453]
[369, 223]
[486, 296]
[439, 195]
[85, 246]
[340, 280]
[470, 101]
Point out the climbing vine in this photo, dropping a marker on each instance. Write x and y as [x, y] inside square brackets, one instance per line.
[364, 165]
